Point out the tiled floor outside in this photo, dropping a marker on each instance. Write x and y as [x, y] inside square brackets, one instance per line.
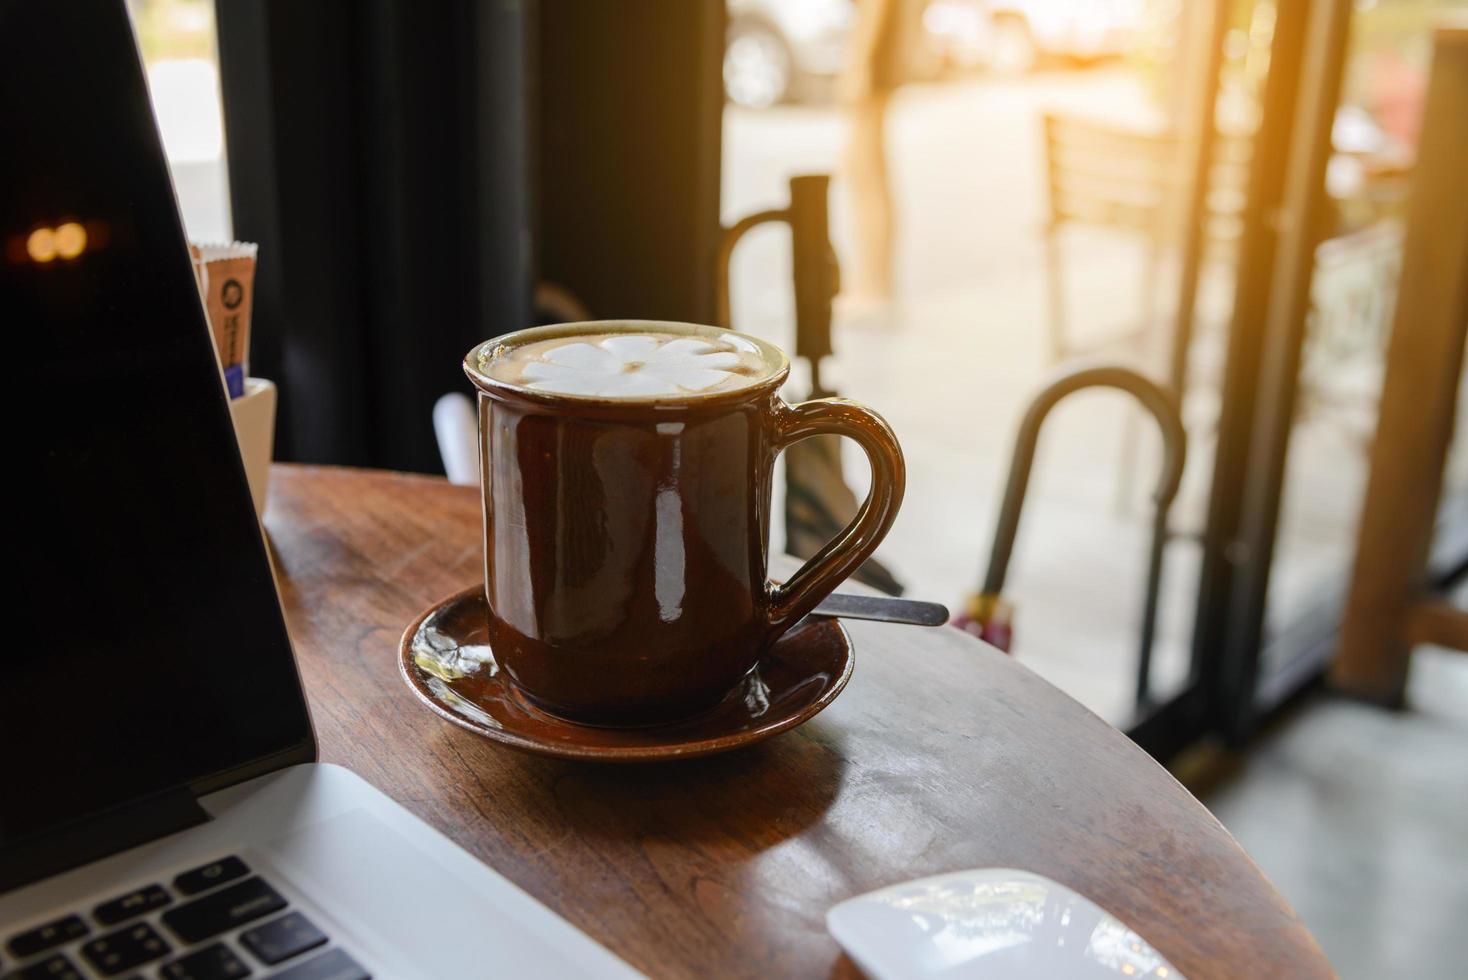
[1357, 815]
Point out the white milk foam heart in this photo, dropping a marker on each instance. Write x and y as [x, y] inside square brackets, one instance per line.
[636, 365]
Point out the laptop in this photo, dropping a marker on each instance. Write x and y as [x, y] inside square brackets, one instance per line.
[161, 812]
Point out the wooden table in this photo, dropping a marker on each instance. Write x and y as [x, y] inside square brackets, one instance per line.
[942, 754]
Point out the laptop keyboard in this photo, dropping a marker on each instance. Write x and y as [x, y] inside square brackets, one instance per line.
[219, 921]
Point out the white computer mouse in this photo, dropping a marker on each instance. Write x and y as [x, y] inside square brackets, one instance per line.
[989, 922]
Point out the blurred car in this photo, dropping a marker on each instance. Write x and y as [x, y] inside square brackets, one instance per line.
[1012, 36]
[783, 50]
[792, 50]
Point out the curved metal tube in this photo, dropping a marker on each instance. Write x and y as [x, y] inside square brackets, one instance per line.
[1153, 398]
[722, 313]
[1163, 407]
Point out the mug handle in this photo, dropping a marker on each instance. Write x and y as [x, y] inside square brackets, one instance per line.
[844, 553]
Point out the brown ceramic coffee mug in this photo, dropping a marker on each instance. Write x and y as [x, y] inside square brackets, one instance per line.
[626, 469]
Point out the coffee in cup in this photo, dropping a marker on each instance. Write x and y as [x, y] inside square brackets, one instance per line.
[647, 364]
[627, 470]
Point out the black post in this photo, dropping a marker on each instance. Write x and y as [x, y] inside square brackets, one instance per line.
[1304, 210]
[815, 272]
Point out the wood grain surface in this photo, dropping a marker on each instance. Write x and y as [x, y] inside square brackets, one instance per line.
[942, 754]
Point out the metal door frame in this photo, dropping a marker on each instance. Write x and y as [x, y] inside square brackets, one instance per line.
[1281, 225]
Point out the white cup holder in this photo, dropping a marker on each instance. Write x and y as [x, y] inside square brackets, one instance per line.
[254, 426]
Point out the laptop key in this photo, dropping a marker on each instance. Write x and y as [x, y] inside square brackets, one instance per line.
[214, 873]
[223, 910]
[333, 965]
[124, 949]
[283, 938]
[132, 904]
[56, 967]
[215, 962]
[43, 937]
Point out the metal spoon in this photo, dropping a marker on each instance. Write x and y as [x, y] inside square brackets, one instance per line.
[882, 609]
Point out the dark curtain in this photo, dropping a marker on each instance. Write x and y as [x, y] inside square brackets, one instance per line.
[410, 172]
[378, 152]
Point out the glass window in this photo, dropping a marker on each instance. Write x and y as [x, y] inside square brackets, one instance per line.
[970, 273]
[1353, 297]
[177, 38]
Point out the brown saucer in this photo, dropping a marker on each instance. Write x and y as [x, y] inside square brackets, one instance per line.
[445, 658]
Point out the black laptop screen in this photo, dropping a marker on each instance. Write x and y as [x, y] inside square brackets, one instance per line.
[146, 646]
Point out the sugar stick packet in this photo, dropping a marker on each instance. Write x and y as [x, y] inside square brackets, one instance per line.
[226, 276]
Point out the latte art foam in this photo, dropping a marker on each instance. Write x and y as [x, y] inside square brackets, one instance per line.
[630, 365]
